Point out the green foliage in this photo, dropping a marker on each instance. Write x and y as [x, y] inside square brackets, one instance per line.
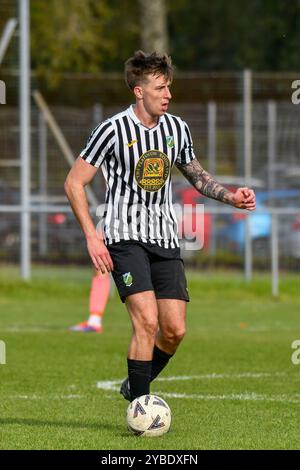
[80, 36]
[232, 35]
[93, 36]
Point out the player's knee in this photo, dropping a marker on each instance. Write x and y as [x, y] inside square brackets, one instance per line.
[178, 336]
[175, 336]
[147, 328]
[151, 327]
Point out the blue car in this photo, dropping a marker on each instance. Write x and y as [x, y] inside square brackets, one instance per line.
[233, 232]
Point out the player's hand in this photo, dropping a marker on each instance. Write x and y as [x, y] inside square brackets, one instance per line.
[244, 198]
[99, 254]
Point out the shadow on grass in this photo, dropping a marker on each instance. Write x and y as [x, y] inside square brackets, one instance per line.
[63, 424]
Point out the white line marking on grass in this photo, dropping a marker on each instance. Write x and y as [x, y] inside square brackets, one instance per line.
[275, 329]
[45, 397]
[33, 329]
[244, 375]
[114, 386]
[247, 396]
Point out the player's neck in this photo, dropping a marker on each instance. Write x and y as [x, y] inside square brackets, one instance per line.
[145, 118]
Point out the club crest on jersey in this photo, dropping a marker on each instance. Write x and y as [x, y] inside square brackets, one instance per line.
[152, 170]
[128, 279]
[170, 141]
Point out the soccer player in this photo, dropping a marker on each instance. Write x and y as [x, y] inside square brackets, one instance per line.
[137, 149]
[99, 293]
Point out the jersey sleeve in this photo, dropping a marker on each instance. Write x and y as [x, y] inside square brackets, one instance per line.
[186, 154]
[100, 144]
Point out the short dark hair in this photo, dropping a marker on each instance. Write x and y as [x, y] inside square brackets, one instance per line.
[142, 64]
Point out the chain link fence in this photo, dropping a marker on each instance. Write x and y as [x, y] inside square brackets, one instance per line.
[213, 104]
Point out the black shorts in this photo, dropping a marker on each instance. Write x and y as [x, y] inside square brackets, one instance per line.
[141, 267]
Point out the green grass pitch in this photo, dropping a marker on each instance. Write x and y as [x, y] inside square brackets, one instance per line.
[232, 384]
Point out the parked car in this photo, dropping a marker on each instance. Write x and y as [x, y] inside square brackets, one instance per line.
[63, 234]
[233, 230]
[187, 196]
[228, 230]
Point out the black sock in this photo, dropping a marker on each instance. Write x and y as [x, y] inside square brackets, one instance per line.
[159, 361]
[139, 373]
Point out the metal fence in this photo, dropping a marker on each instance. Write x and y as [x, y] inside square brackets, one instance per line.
[247, 133]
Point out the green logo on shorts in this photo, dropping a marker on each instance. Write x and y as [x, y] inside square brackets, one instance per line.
[127, 278]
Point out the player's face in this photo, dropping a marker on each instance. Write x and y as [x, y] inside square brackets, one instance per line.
[155, 92]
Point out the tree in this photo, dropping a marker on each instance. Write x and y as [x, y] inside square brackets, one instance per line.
[153, 21]
[81, 35]
[99, 35]
[232, 35]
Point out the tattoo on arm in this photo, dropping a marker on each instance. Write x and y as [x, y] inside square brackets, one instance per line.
[204, 182]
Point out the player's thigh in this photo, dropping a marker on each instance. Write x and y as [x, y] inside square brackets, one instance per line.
[143, 310]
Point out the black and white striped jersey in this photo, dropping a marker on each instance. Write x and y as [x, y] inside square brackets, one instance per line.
[136, 163]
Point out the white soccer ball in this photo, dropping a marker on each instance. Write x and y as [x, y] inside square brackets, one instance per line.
[148, 415]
